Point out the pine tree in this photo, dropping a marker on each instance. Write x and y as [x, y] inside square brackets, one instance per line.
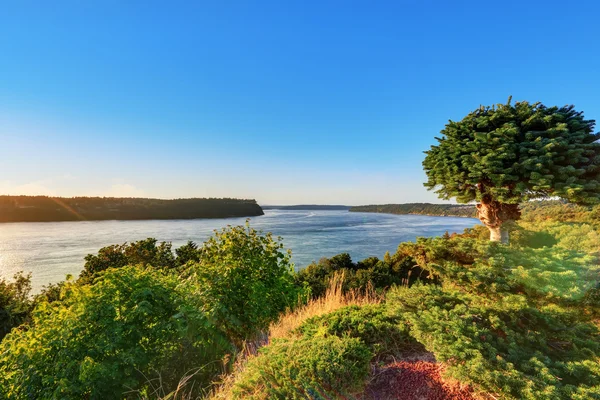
[506, 154]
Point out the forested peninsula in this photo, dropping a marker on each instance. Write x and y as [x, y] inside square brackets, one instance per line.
[441, 210]
[54, 209]
[542, 209]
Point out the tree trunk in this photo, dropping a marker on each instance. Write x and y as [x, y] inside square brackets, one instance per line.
[494, 214]
[495, 233]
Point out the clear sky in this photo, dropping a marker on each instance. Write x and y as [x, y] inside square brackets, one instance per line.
[286, 102]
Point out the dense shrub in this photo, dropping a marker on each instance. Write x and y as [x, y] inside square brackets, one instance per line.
[15, 304]
[186, 253]
[308, 368]
[384, 333]
[144, 252]
[243, 281]
[52, 292]
[506, 346]
[105, 339]
[492, 269]
[582, 237]
[369, 273]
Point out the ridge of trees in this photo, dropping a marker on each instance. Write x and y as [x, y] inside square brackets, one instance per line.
[558, 210]
[53, 209]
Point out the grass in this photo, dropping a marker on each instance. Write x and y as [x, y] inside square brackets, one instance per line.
[333, 300]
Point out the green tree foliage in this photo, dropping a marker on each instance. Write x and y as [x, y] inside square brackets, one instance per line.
[144, 252]
[309, 368]
[243, 281]
[186, 253]
[133, 325]
[15, 304]
[504, 155]
[44, 208]
[485, 268]
[369, 273]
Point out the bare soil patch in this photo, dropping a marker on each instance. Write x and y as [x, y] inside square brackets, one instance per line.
[417, 379]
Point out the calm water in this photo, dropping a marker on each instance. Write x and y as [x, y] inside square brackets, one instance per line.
[52, 250]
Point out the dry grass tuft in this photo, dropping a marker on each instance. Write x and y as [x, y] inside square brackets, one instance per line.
[333, 299]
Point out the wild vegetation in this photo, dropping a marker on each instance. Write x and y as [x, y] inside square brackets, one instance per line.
[512, 322]
[146, 321]
[47, 209]
[134, 329]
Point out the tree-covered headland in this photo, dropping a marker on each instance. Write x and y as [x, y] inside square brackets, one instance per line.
[556, 210]
[49, 209]
[441, 210]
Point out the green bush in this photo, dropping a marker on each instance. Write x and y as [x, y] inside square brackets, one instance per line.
[103, 340]
[506, 346]
[492, 269]
[243, 281]
[144, 252]
[309, 368]
[15, 305]
[370, 273]
[382, 332]
[572, 236]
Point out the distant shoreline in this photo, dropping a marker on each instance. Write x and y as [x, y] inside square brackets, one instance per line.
[62, 209]
[422, 215]
[427, 209]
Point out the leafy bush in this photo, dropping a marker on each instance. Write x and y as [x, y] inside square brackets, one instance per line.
[488, 268]
[145, 252]
[314, 368]
[572, 236]
[105, 339]
[506, 346]
[384, 333]
[52, 292]
[369, 273]
[187, 253]
[15, 305]
[243, 281]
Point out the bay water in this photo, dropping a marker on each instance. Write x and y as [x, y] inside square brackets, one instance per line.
[51, 250]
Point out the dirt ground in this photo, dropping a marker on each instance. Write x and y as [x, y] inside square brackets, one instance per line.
[417, 379]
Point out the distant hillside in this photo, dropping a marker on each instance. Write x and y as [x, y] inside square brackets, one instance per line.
[446, 210]
[307, 207]
[47, 209]
[557, 210]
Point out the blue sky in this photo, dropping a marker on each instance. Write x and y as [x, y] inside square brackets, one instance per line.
[286, 102]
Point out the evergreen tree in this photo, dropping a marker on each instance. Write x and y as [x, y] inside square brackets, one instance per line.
[506, 154]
